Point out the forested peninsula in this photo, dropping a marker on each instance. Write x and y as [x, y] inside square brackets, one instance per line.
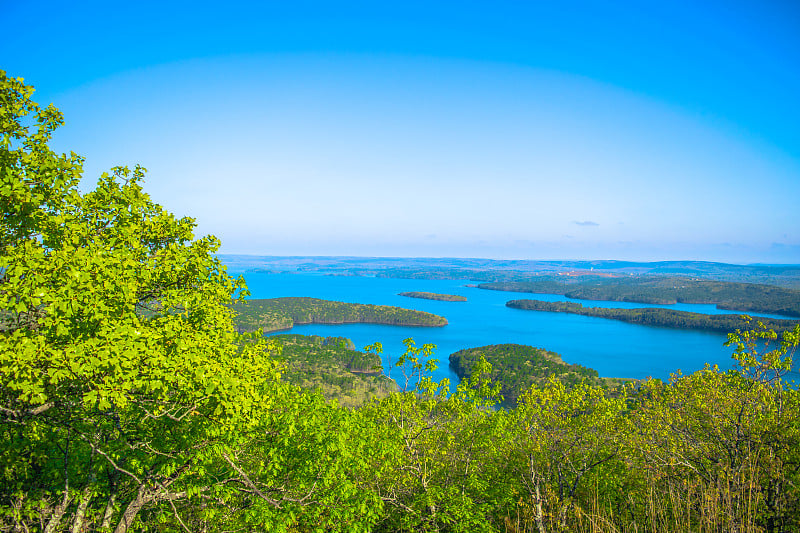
[333, 366]
[276, 314]
[517, 368]
[748, 297]
[434, 296]
[656, 316]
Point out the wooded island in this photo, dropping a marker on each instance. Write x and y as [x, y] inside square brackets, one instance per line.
[435, 296]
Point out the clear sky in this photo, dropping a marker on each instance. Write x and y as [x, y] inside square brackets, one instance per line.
[540, 130]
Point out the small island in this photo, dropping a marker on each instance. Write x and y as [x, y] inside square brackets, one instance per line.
[518, 367]
[435, 296]
[656, 316]
[276, 314]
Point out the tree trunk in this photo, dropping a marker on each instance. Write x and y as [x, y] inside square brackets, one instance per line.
[143, 497]
[537, 501]
[132, 510]
[109, 512]
[58, 513]
[80, 514]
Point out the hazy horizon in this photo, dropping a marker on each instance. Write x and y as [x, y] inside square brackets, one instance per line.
[483, 259]
[500, 259]
[591, 131]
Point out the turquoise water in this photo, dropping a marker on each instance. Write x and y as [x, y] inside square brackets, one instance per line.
[613, 348]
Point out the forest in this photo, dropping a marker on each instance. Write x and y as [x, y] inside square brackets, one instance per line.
[275, 314]
[130, 400]
[657, 316]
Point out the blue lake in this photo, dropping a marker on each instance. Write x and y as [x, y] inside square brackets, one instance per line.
[614, 349]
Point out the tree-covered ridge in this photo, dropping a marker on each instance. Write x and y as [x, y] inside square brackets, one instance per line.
[275, 314]
[335, 367]
[517, 367]
[656, 316]
[444, 273]
[663, 291]
[434, 296]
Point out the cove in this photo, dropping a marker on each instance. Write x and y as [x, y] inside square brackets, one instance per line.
[614, 349]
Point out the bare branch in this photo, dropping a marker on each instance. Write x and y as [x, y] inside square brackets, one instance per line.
[20, 413]
[175, 510]
[110, 460]
[247, 481]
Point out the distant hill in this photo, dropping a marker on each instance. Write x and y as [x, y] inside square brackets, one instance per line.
[476, 269]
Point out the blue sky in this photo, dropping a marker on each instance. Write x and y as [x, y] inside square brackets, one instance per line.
[557, 130]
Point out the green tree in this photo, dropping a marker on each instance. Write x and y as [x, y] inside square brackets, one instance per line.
[436, 467]
[124, 388]
[722, 447]
[564, 440]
